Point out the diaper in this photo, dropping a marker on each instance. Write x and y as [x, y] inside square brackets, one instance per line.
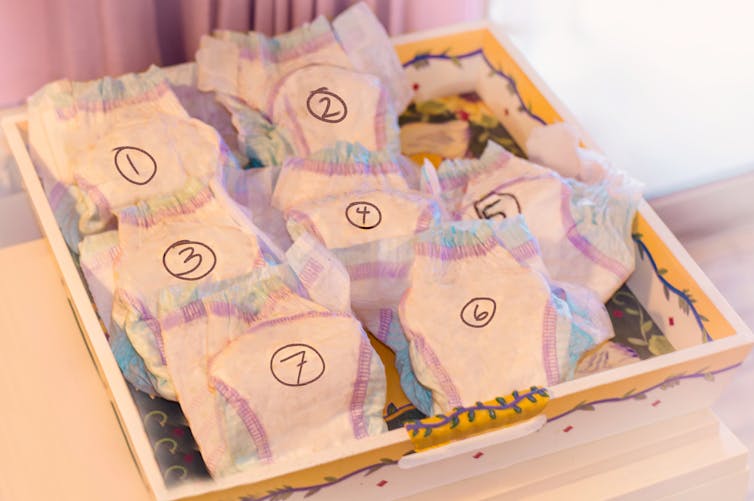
[249, 65]
[65, 117]
[197, 324]
[359, 217]
[321, 104]
[480, 324]
[293, 345]
[584, 231]
[143, 159]
[317, 369]
[342, 169]
[181, 240]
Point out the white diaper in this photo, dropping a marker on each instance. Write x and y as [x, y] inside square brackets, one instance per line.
[182, 240]
[584, 231]
[479, 323]
[359, 217]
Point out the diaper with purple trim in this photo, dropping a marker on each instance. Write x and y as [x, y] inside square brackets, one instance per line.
[344, 168]
[584, 231]
[181, 240]
[498, 327]
[247, 351]
[360, 217]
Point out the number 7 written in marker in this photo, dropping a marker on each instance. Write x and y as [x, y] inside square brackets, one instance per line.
[300, 364]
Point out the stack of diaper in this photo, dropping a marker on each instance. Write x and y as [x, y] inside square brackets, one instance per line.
[196, 298]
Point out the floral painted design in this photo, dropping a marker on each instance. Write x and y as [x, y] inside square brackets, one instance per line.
[452, 127]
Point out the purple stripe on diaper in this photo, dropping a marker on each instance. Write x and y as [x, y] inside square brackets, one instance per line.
[358, 420]
[249, 419]
[145, 216]
[386, 319]
[57, 192]
[345, 167]
[311, 272]
[146, 316]
[299, 316]
[525, 251]
[380, 134]
[549, 345]
[377, 269]
[192, 311]
[104, 259]
[306, 47]
[582, 244]
[445, 253]
[439, 373]
[426, 218]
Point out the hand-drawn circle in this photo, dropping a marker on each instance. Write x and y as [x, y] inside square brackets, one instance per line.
[478, 312]
[286, 370]
[325, 115]
[357, 212]
[189, 260]
[139, 169]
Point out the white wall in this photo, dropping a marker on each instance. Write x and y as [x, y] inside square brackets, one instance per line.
[665, 87]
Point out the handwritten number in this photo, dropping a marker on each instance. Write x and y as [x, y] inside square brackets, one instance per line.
[300, 364]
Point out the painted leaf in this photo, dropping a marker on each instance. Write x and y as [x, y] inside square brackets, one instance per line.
[312, 492]
[492, 413]
[666, 291]
[427, 432]
[646, 327]
[586, 407]
[454, 422]
[472, 415]
[331, 479]
[640, 396]
[431, 107]
[455, 61]
[662, 271]
[637, 341]
[388, 461]
[372, 470]
[709, 376]
[631, 311]
[659, 345]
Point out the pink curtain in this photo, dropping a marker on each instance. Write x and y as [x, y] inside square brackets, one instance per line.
[43, 40]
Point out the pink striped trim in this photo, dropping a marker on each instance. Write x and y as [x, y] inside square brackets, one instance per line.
[311, 272]
[525, 251]
[103, 105]
[377, 269]
[549, 345]
[582, 244]
[298, 316]
[146, 316]
[386, 320]
[427, 217]
[248, 417]
[345, 168]
[145, 215]
[445, 253]
[104, 259]
[358, 419]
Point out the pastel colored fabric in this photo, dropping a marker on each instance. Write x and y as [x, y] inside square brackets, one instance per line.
[97, 257]
[318, 369]
[499, 327]
[64, 115]
[584, 231]
[310, 364]
[180, 240]
[322, 104]
[360, 217]
[342, 169]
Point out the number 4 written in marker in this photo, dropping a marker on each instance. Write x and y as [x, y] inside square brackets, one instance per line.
[300, 364]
